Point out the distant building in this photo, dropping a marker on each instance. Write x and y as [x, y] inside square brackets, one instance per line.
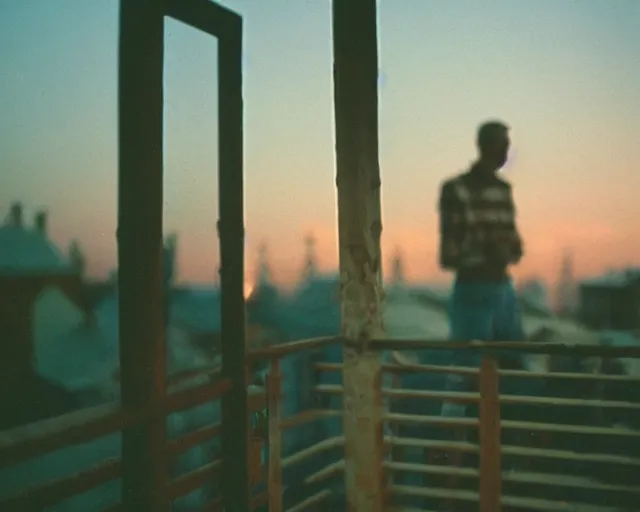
[41, 297]
[566, 292]
[41, 291]
[611, 301]
[533, 296]
[310, 268]
[398, 279]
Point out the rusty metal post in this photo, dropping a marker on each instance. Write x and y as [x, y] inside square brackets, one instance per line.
[355, 70]
[140, 249]
[490, 437]
[226, 26]
[235, 404]
[274, 395]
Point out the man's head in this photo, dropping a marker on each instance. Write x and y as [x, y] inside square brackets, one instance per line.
[493, 143]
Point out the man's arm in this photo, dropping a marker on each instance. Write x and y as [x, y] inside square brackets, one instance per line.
[515, 242]
[452, 227]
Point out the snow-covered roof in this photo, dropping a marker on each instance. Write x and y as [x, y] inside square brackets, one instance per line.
[25, 250]
[630, 365]
[405, 316]
[619, 338]
[82, 358]
[197, 310]
[88, 356]
[614, 278]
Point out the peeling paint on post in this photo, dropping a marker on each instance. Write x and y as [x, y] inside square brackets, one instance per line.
[358, 181]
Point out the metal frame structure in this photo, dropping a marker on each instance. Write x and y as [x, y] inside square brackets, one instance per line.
[142, 336]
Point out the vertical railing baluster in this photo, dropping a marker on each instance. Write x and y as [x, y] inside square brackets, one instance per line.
[274, 475]
[490, 437]
[397, 452]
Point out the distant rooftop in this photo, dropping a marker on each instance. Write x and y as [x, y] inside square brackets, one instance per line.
[614, 278]
[27, 249]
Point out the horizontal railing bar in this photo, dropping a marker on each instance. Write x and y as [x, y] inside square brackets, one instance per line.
[593, 377]
[532, 504]
[547, 479]
[56, 433]
[556, 480]
[442, 421]
[86, 425]
[570, 429]
[257, 402]
[283, 349]
[455, 494]
[412, 467]
[548, 453]
[45, 495]
[307, 417]
[408, 368]
[448, 422]
[471, 397]
[260, 500]
[301, 455]
[188, 441]
[518, 451]
[325, 472]
[430, 368]
[193, 397]
[178, 378]
[530, 347]
[412, 442]
[311, 501]
[216, 504]
[474, 372]
[193, 480]
[567, 402]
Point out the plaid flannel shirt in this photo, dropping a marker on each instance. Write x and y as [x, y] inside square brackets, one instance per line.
[477, 221]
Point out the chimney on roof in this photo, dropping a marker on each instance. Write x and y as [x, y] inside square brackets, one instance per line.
[76, 257]
[41, 222]
[170, 250]
[16, 215]
[397, 269]
[310, 264]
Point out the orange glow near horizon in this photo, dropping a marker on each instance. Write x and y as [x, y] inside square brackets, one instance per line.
[564, 76]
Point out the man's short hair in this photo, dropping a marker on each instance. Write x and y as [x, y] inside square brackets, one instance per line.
[487, 132]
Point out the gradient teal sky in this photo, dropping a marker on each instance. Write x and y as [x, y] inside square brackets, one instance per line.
[565, 74]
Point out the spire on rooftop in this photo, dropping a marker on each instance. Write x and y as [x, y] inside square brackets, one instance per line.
[397, 268]
[264, 269]
[77, 257]
[310, 261]
[566, 286]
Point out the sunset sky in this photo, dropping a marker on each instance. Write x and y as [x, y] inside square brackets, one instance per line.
[565, 75]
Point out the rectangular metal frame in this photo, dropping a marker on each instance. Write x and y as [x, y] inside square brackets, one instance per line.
[142, 331]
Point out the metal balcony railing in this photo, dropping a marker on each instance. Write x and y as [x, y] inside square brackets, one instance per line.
[567, 460]
[562, 462]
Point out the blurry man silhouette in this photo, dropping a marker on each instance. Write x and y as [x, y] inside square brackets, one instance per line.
[478, 241]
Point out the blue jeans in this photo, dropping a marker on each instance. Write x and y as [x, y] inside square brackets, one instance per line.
[483, 312]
